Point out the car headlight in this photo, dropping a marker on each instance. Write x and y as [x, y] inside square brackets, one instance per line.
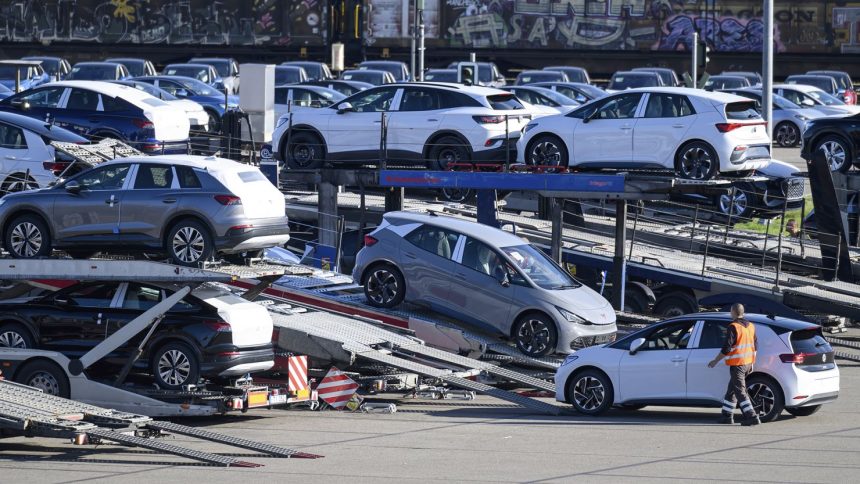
[801, 117]
[281, 121]
[570, 359]
[529, 127]
[570, 317]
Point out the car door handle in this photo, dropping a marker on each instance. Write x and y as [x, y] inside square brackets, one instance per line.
[678, 359]
[679, 125]
[626, 128]
[432, 119]
[169, 200]
[111, 201]
[10, 157]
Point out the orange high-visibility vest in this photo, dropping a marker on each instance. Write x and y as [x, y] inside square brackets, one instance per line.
[743, 351]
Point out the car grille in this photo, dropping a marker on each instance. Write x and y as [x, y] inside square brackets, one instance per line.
[586, 341]
[795, 188]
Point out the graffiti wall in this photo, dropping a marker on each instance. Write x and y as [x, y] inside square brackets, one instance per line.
[727, 25]
[213, 22]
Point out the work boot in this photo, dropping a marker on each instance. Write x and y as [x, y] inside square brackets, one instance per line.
[726, 418]
[750, 420]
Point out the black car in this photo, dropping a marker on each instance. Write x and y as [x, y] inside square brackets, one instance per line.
[839, 138]
[210, 334]
[760, 197]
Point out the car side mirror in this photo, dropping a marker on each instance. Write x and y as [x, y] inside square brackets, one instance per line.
[807, 102]
[636, 345]
[503, 279]
[345, 107]
[62, 301]
[22, 105]
[500, 79]
[73, 187]
[590, 116]
[181, 93]
[580, 99]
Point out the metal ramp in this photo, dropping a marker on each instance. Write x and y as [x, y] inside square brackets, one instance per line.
[125, 270]
[365, 340]
[28, 411]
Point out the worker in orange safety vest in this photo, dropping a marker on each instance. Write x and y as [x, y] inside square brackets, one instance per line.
[739, 352]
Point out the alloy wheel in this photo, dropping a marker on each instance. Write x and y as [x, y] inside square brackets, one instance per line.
[12, 339]
[26, 239]
[787, 134]
[533, 336]
[696, 163]
[763, 398]
[382, 286]
[303, 155]
[46, 382]
[835, 154]
[737, 206]
[588, 393]
[447, 155]
[546, 153]
[188, 244]
[174, 367]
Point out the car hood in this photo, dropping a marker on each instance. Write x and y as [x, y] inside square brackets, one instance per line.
[585, 303]
[778, 169]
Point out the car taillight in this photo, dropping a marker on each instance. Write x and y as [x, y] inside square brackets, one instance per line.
[142, 123]
[796, 358]
[228, 199]
[489, 119]
[370, 240]
[728, 127]
[55, 167]
[219, 326]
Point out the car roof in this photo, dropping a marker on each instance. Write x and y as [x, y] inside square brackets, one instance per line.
[188, 64]
[97, 63]
[381, 62]
[18, 62]
[719, 97]
[537, 71]
[40, 58]
[441, 69]
[775, 321]
[126, 59]
[39, 127]
[828, 73]
[808, 76]
[727, 76]
[104, 87]
[799, 87]
[484, 233]
[209, 163]
[195, 60]
[564, 67]
[476, 90]
[636, 73]
[652, 69]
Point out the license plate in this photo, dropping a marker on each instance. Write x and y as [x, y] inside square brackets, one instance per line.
[258, 398]
[278, 399]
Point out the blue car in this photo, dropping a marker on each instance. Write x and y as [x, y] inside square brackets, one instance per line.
[29, 73]
[98, 71]
[210, 98]
[5, 92]
[98, 110]
[136, 67]
[57, 68]
[202, 72]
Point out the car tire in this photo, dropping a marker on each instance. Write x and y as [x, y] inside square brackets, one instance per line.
[305, 151]
[697, 161]
[547, 150]
[15, 335]
[803, 411]
[635, 302]
[28, 237]
[786, 134]
[590, 392]
[457, 195]
[46, 376]
[447, 150]
[741, 206]
[17, 182]
[214, 123]
[535, 335]
[174, 365]
[384, 286]
[766, 396]
[676, 303]
[837, 151]
[188, 243]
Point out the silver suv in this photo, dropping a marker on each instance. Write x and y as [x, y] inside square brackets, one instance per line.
[190, 207]
[482, 276]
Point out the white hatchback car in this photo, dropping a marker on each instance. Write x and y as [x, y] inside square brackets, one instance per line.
[431, 124]
[696, 133]
[667, 364]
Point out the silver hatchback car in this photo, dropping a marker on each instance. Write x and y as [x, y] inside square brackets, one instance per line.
[190, 207]
[482, 276]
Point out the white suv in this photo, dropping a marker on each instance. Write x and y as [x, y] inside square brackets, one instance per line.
[427, 123]
[696, 133]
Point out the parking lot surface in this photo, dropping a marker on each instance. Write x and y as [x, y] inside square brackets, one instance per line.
[484, 441]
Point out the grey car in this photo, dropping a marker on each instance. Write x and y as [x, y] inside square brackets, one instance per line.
[481, 276]
[190, 207]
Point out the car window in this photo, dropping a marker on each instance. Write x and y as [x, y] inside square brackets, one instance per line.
[419, 100]
[742, 110]
[374, 101]
[153, 177]
[674, 336]
[141, 297]
[504, 102]
[114, 104]
[713, 334]
[83, 100]
[618, 107]
[92, 296]
[792, 96]
[44, 98]
[187, 177]
[282, 95]
[668, 106]
[12, 137]
[480, 257]
[252, 176]
[434, 240]
[104, 178]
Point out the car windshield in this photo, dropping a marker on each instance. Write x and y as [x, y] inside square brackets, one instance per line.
[825, 98]
[592, 92]
[503, 102]
[742, 110]
[558, 97]
[441, 76]
[539, 268]
[823, 83]
[135, 68]
[395, 69]
[631, 81]
[222, 67]
[548, 76]
[365, 76]
[197, 88]
[93, 73]
[8, 72]
[192, 72]
[287, 75]
[154, 91]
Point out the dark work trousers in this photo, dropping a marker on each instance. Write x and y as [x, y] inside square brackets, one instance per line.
[737, 391]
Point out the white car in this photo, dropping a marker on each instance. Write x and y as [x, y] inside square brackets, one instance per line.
[696, 133]
[667, 364]
[197, 116]
[432, 124]
[813, 97]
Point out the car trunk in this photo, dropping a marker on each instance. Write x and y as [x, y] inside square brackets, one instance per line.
[745, 123]
[170, 122]
[812, 352]
[250, 323]
[260, 199]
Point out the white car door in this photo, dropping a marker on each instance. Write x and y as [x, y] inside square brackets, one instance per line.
[355, 135]
[417, 116]
[705, 383]
[658, 370]
[14, 155]
[605, 135]
[662, 127]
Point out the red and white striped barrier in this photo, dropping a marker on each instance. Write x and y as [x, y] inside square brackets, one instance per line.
[298, 373]
[336, 388]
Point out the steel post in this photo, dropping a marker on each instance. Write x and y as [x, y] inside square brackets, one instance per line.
[327, 218]
[694, 70]
[707, 246]
[767, 68]
[619, 264]
[420, 41]
[557, 227]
